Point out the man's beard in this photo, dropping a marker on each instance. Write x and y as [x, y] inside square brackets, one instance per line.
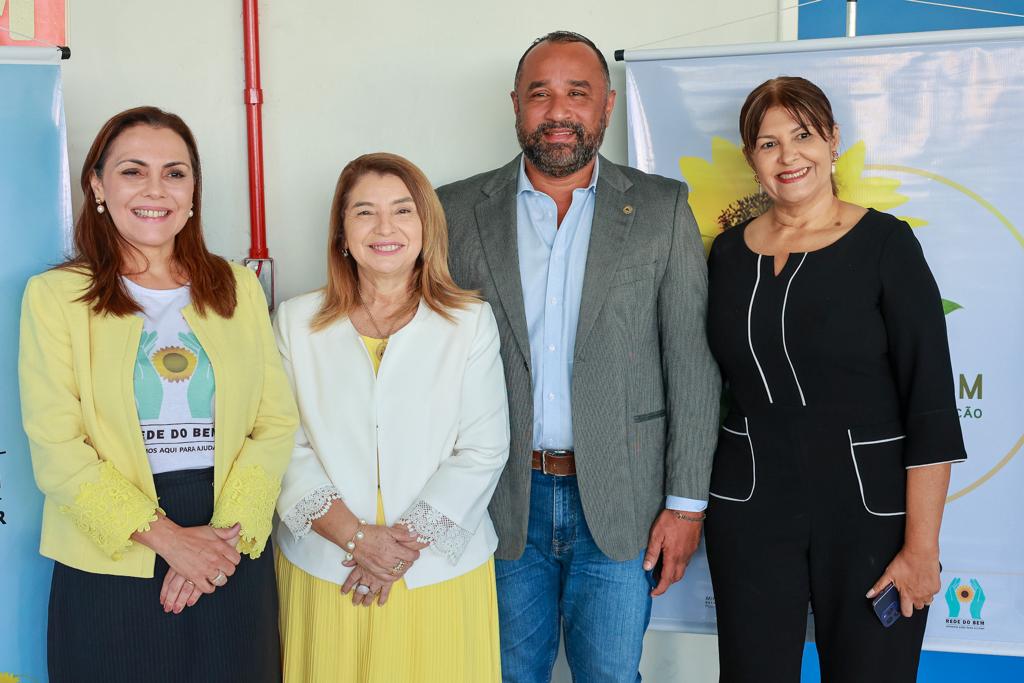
[560, 159]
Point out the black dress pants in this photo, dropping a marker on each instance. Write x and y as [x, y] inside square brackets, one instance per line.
[789, 525]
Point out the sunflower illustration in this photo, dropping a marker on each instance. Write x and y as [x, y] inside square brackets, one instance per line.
[723, 191]
[964, 593]
[718, 187]
[174, 363]
[9, 678]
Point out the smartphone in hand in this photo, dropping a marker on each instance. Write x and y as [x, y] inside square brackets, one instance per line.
[887, 605]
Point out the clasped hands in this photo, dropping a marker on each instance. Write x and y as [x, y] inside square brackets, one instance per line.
[382, 556]
[201, 559]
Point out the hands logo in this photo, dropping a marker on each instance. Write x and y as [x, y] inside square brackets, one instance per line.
[970, 594]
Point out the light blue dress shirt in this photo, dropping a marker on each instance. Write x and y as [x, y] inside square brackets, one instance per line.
[552, 262]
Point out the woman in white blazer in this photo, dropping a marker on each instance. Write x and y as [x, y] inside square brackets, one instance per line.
[404, 433]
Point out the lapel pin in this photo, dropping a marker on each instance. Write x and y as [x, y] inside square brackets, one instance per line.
[627, 209]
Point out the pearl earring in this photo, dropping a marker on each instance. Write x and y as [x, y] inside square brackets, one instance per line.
[835, 158]
[190, 213]
[99, 206]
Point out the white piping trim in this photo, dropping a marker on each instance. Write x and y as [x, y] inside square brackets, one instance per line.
[869, 443]
[753, 465]
[860, 484]
[944, 462]
[750, 341]
[733, 431]
[803, 402]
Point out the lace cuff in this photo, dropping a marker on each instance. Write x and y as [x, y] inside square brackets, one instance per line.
[110, 510]
[444, 535]
[248, 498]
[312, 506]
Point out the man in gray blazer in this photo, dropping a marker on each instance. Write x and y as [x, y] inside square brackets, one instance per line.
[596, 276]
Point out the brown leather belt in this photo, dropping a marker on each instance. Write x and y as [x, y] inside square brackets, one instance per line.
[556, 463]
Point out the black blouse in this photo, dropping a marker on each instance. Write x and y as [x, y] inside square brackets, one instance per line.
[855, 330]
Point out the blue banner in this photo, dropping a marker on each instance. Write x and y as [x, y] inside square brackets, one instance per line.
[35, 218]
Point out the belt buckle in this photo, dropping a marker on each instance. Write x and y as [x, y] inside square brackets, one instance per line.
[544, 460]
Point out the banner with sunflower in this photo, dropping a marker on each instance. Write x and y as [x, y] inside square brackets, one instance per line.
[931, 132]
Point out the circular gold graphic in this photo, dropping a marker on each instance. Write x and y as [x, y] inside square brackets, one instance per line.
[174, 363]
[964, 593]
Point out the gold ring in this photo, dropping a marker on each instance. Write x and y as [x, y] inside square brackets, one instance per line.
[398, 568]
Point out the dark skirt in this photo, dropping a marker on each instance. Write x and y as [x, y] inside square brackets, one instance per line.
[111, 629]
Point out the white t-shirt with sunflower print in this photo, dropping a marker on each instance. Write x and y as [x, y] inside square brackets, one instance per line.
[174, 385]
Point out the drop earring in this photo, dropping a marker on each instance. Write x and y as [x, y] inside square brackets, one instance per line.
[835, 158]
[344, 252]
[99, 206]
[760, 190]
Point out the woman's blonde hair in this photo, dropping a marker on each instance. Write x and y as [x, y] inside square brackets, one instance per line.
[430, 279]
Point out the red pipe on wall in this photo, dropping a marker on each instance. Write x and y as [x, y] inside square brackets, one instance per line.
[254, 126]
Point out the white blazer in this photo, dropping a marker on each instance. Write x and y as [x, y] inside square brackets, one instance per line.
[436, 416]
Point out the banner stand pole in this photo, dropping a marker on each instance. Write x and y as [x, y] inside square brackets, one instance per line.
[851, 18]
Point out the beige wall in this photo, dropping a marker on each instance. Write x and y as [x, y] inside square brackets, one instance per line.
[426, 80]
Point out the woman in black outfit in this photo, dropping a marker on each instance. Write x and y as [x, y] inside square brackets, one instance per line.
[833, 464]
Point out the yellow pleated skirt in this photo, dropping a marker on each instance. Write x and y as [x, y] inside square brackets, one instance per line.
[443, 633]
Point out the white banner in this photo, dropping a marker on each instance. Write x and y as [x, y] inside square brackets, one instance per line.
[932, 130]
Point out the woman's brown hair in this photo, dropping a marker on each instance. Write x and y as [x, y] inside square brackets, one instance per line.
[803, 100]
[100, 248]
[430, 279]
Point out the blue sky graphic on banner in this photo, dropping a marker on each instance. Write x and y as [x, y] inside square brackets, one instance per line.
[930, 133]
[34, 218]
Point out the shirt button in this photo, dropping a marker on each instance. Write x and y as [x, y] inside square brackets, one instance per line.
[554, 300]
[551, 347]
[551, 397]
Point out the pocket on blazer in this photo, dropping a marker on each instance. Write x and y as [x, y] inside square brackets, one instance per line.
[877, 455]
[645, 417]
[734, 473]
[624, 276]
[632, 294]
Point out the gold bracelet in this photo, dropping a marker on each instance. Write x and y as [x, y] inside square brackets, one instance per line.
[357, 536]
[690, 518]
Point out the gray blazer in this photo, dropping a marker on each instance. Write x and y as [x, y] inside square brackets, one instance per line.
[644, 385]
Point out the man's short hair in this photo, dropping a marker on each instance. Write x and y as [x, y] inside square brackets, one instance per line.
[565, 37]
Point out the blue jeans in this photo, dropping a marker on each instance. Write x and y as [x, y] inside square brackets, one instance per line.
[564, 580]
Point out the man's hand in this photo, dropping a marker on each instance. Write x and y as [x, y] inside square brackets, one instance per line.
[675, 541]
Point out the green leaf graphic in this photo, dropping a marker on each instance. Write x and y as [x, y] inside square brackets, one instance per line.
[949, 306]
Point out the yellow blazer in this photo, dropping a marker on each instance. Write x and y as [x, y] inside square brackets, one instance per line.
[78, 409]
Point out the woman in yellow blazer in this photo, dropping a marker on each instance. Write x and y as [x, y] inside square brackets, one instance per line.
[160, 423]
